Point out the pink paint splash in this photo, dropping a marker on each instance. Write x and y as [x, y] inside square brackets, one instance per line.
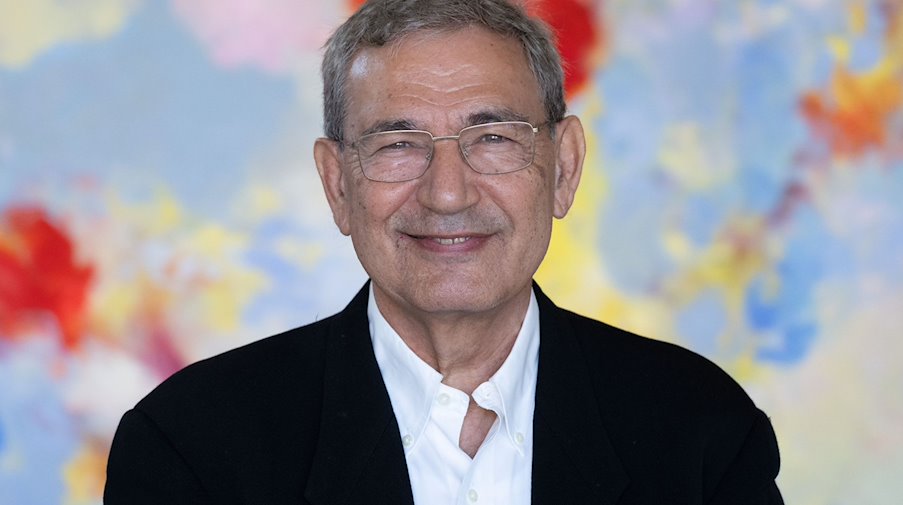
[264, 34]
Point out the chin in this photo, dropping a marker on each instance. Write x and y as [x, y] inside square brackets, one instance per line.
[461, 295]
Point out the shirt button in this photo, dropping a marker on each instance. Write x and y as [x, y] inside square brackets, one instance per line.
[519, 438]
[472, 495]
[444, 399]
[407, 440]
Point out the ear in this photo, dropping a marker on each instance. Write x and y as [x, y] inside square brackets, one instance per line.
[328, 157]
[569, 163]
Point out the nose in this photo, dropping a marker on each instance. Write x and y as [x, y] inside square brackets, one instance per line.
[447, 187]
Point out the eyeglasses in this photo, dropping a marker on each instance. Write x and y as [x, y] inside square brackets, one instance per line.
[490, 148]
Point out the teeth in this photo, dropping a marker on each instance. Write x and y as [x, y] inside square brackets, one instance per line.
[451, 241]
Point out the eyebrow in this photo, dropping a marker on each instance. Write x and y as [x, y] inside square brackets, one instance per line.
[494, 115]
[390, 125]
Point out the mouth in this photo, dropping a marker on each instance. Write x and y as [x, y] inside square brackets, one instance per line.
[457, 243]
[449, 241]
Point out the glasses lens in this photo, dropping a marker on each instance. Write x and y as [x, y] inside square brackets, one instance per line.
[498, 148]
[394, 156]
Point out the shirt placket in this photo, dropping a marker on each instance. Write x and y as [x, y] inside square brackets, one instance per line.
[479, 485]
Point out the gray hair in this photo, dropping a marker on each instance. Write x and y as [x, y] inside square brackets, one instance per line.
[380, 22]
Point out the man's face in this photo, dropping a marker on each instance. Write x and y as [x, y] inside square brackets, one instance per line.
[453, 240]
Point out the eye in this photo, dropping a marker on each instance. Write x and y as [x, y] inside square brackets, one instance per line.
[396, 146]
[493, 138]
[393, 143]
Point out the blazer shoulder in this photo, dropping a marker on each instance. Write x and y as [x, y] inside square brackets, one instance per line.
[262, 369]
[657, 371]
[246, 419]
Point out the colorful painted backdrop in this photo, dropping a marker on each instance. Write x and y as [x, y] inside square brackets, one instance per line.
[743, 196]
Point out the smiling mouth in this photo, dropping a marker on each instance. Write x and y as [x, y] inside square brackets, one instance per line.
[450, 241]
[459, 243]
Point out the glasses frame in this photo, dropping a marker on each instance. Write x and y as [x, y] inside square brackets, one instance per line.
[535, 129]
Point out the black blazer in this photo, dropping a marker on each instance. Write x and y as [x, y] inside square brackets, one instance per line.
[304, 418]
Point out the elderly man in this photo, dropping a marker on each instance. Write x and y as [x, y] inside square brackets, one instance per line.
[450, 378]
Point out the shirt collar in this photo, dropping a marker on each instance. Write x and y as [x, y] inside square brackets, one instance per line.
[412, 384]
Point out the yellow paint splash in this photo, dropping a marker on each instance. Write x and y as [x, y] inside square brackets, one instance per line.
[858, 19]
[840, 48]
[298, 251]
[159, 215]
[573, 273]
[170, 266]
[737, 256]
[85, 475]
[262, 202]
[29, 28]
[226, 288]
[685, 156]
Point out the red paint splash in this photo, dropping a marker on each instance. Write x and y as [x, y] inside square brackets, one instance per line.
[854, 116]
[859, 112]
[580, 39]
[39, 276]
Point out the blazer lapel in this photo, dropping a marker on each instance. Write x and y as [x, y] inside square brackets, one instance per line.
[359, 458]
[573, 459]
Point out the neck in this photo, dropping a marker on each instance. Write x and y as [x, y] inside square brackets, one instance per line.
[466, 348]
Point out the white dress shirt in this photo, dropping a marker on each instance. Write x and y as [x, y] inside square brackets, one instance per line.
[430, 416]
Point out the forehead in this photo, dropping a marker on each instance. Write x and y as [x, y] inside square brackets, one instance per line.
[439, 79]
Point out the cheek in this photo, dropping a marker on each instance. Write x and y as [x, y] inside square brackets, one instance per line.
[532, 192]
[536, 202]
[374, 204]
